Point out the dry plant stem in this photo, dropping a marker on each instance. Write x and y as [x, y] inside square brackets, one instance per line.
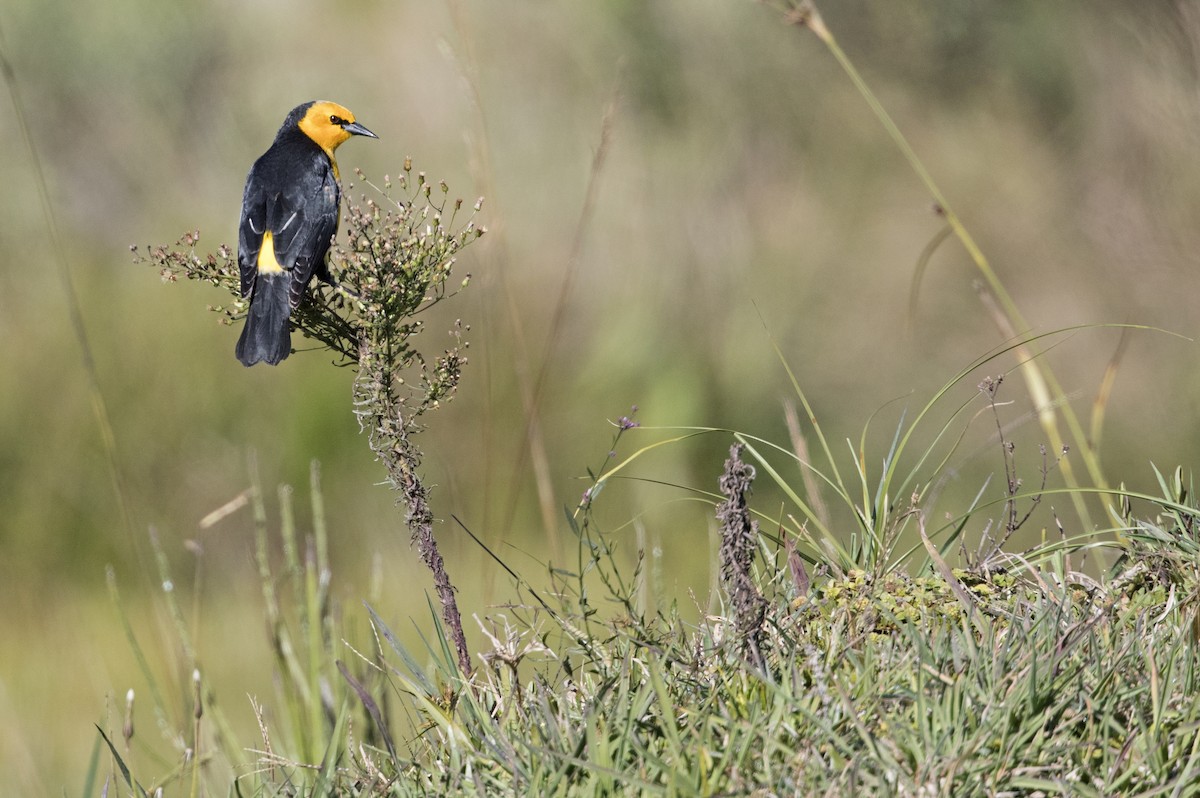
[739, 541]
[383, 413]
[402, 469]
[1040, 381]
[800, 448]
[74, 308]
[531, 391]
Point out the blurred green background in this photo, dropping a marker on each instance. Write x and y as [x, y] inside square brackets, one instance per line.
[746, 194]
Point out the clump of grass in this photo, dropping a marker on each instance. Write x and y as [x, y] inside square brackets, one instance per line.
[395, 262]
[321, 706]
[864, 682]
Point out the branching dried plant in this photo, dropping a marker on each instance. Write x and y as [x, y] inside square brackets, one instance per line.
[395, 261]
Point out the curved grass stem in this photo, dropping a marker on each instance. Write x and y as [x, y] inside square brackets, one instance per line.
[1040, 381]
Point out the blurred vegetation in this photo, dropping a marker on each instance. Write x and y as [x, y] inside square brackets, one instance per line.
[746, 194]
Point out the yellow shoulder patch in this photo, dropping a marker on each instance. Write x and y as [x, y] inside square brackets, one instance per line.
[267, 264]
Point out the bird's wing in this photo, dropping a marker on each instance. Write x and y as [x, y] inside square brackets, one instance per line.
[304, 239]
[250, 232]
[297, 202]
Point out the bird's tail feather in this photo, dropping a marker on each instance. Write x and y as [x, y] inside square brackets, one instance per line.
[266, 337]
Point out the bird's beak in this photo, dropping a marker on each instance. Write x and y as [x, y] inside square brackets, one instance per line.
[356, 129]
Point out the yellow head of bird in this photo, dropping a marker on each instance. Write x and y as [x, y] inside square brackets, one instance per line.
[329, 124]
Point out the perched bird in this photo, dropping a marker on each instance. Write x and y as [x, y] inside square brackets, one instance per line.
[289, 217]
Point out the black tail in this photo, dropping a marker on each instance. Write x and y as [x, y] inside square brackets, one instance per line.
[265, 336]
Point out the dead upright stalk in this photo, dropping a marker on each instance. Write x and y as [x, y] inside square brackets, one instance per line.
[420, 522]
[739, 540]
[383, 411]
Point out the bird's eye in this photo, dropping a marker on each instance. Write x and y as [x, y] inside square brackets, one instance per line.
[336, 120]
